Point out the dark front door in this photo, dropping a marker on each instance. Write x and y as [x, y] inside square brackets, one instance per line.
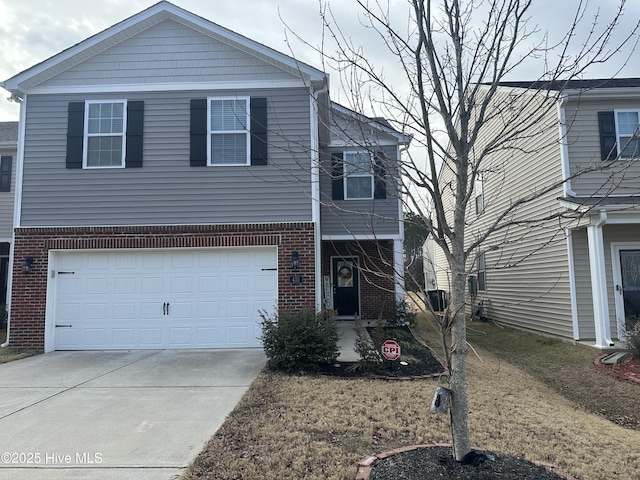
[346, 297]
[630, 270]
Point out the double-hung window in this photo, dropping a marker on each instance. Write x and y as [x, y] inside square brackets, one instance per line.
[358, 175]
[628, 133]
[105, 134]
[481, 272]
[479, 195]
[229, 139]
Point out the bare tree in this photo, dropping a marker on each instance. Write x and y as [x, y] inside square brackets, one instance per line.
[452, 58]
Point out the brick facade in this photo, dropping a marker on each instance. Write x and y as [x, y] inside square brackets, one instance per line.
[296, 289]
[377, 280]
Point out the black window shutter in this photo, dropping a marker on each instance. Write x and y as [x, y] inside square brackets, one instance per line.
[607, 125]
[5, 173]
[135, 127]
[337, 176]
[198, 153]
[379, 177]
[258, 129]
[75, 134]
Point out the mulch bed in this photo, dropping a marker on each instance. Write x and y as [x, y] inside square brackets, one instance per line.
[436, 461]
[422, 361]
[628, 369]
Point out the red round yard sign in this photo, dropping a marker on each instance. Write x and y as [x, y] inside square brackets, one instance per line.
[390, 349]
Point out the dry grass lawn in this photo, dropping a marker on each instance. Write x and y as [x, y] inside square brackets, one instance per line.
[319, 427]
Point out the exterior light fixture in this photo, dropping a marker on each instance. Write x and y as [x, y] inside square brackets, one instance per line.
[295, 260]
[27, 263]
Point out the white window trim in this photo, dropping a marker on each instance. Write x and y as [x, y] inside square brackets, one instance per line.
[247, 132]
[346, 175]
[636, 135]
[85, 140]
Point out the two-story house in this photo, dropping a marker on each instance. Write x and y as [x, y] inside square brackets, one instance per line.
[8, 154]
[569, 262]
[176, 178]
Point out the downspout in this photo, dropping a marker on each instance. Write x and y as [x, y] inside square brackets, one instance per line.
[599, 281]
[315, 189]
[564, 148]
[16, 208]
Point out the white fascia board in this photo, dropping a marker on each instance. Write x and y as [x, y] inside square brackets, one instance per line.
[355, 237]
[169, 87]
[162, 11]
[604, 93]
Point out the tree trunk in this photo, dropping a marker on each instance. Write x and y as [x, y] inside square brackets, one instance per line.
[458, 368]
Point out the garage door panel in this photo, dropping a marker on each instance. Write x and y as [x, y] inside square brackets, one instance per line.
[163, 299]
[123, 337]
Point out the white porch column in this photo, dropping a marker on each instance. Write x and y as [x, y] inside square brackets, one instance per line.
[398, 268]
[599, 281]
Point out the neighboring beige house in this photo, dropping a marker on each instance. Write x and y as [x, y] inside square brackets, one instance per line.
[8, 154]
[569, 263]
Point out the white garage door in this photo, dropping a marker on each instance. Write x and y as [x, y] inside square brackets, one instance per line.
[162, 299]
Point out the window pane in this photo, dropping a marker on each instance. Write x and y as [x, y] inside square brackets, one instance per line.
[228, 115]
[630, 148]
[229, 149]
[106, 117]
[359, 187]
[104, 152]
[357, 162]
[627, 123]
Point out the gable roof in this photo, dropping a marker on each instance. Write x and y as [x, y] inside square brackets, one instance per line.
[379, 124]
[8, 133]
[20, 84]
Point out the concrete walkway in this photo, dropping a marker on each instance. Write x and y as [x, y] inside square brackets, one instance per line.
[120, 414]
[347, 341]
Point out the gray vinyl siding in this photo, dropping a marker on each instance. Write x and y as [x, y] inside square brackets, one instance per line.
[168, 52]
[611, 234]
[166, 190]
[619, 177]
[584, 295]
[527, 264]
[7, 198]
[359, 217]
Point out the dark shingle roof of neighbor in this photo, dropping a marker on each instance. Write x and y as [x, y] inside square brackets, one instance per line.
[575, 84]
[8, 131]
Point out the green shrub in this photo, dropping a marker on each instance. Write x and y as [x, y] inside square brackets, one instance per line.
[633, 341]
[301, 340]
[398, 315]
[370, 359]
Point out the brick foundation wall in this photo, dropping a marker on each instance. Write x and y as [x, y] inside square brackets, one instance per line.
[296, 289]
[375, 259]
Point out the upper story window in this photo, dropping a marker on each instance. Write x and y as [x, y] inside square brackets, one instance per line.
[627, 125]
[479, 194]
[229, 131]
[105, 134]
[358, 175]
[5, 173]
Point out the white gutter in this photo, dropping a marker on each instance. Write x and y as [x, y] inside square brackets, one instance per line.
[572, 285]
[16, 210]
[315, 191]
[564, 148]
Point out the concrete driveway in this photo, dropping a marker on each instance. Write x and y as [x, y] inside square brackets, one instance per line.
[142, 414]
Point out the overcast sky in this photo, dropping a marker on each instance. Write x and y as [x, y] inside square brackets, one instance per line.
[34, 30]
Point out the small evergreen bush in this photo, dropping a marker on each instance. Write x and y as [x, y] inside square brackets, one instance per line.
[398, 315]
[300, 340]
